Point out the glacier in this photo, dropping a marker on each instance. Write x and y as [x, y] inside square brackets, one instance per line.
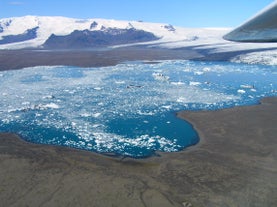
[169, 36]
[34, 31]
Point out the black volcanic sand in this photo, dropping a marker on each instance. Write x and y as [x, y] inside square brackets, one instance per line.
[17, 59]
[235, 164]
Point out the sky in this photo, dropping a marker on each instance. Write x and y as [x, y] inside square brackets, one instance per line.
[184, 13]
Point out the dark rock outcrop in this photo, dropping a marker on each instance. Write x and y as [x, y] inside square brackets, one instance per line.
[93, 25]
[27, 35]
[92, 39]
[170, 28]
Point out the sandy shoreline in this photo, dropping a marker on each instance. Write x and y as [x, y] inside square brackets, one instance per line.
[235, 164]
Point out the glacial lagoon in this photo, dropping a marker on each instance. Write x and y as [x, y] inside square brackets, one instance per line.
[128, 109]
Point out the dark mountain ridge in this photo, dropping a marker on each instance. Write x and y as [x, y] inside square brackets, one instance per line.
[100, 38]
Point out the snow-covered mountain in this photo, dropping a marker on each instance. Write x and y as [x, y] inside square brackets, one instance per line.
[62, 32]
[45, 32]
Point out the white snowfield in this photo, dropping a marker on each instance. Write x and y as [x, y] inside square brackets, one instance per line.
[170, 36]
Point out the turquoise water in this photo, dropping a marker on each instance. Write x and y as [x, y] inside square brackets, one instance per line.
[128, 109]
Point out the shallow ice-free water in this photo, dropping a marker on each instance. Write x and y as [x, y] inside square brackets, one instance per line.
[128, 109]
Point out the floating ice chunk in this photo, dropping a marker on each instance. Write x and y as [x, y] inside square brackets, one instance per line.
[97, 88]
[231, 98]
[241, 91]
[11, 110]
[150, 113]
[48, 97]
[96, 125]
[247, 86]
[181, 100]
[193, 83]
[85, 115]
[38, 115]
[167, 107]
[52, 105]
[198, 73]
[178, 83]
[120, 82]
[206, 69]
[160, 77]
[95, 115]
[187, 70]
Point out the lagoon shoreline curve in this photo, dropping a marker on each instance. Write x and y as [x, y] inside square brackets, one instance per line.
[234, 164]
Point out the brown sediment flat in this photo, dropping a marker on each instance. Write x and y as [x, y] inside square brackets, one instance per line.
[235, 164]
[17, 59]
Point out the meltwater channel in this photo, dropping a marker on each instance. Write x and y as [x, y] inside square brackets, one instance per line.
[128, 109]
